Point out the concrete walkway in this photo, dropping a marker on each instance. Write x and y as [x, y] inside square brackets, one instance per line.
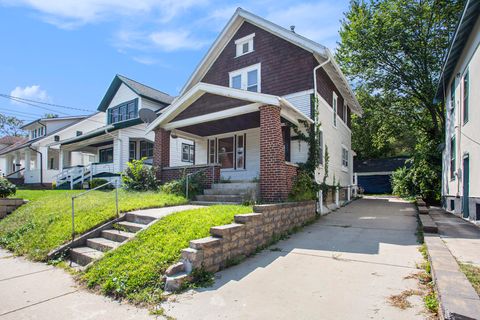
[37, 291]
[345, 266]
[461, 237]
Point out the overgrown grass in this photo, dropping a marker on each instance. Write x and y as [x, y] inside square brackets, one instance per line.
[44, 223]
[134, 271]
[473, 275]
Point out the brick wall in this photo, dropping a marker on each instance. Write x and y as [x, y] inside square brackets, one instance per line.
[290, 175]
[272, 156]
[249, 231]
[161, 150]
[212, 173]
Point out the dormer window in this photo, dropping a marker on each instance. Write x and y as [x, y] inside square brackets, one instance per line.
[246, 78]
[122, 112]
[244, 45]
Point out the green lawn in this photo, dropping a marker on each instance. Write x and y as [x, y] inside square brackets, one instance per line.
[473, 275]
[134, 270]
[45, 222]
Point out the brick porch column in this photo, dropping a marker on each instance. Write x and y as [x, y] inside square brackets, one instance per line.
[272, 156]
[161, 150]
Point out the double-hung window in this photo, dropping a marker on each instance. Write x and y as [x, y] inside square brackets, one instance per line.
[344, 158]
[335, 105]
[188, 152]
[146, 149]
[466, 93]
[122, 112]
[105, 155]
[246, 78]
[244, 45]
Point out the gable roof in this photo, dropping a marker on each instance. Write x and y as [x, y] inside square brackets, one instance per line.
[469, 17]
[40, 120]
[201, 88]
[137, 87]
[320, 52]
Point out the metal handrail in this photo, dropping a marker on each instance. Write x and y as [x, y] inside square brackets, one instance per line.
[84, 193]
[196, 172]
[8, 175]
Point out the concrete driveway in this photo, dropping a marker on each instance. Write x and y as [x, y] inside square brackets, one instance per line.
[345, 266]
[37, 291]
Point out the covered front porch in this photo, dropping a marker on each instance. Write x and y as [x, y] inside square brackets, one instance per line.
[247, 135]
[105, 155]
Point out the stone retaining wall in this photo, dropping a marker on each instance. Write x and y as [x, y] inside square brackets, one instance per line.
[8, 205]
[237, 240]
[211, 173]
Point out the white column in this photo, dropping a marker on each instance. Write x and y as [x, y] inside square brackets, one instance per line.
[61, 159]
[28, 158]
[117, 153]
[337, 197]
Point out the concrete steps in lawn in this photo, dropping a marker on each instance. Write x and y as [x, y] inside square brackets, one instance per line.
[228, 193]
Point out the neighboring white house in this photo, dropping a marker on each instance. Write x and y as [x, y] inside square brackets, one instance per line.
[119, 135]
[459, 90]
[36, 159]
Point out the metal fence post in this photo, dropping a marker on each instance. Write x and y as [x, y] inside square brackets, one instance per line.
[73, 219]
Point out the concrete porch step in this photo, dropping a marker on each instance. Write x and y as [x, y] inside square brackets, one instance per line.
[225, 191]
[102, 244]
[84, 255]
[117, 235]
[220, 198]
[236, 185]
[211, 203]
[138, 218]
[131, 226]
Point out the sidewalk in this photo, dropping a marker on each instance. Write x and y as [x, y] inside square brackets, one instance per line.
[31, 290]
[461, 237]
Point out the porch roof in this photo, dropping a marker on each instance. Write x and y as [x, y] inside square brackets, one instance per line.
[101, 131]
[250, 102]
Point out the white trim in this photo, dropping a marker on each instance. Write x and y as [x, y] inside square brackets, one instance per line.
[245, 39]
[213, 116]
[345, 168]
[345, 111]
[243, 73]
[329, 107]
[239, 45]
[298, 94]
[335, 109]
[377, 173]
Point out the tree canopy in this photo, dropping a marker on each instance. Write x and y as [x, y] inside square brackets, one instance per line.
[10, 126]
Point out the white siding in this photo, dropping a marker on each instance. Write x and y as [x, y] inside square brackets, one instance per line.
[301, 100]
[176, 151]
[123, 94]
[467, 135]
[149, 104]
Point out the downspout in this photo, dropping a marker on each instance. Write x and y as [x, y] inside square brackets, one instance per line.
[41, 164]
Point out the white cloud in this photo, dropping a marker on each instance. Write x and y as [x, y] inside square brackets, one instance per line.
[145, 60]
[175, 40]
[30, 92]
[74, 13]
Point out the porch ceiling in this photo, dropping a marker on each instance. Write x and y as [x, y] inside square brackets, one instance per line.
[238, 123]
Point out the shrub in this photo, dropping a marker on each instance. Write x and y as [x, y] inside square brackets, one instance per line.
[7, 188]
[98, 182]
[177, 187]
[304, 188]
[138, 177]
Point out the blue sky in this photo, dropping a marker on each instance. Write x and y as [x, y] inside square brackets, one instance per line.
[67, 52]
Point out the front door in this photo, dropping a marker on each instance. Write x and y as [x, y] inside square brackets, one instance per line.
[466, 186]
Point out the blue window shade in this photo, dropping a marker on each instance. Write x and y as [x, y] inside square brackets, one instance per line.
[122, 112]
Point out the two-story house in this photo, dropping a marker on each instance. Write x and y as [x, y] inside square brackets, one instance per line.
[118, 137]
[459, 90]
[255, 83]
[35, 159]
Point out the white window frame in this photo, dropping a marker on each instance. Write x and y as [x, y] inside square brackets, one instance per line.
[344, 148]
[335, 106]
[243, 73]
[345, 112]
[245, 40]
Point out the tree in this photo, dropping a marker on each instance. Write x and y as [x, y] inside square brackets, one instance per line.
[394, 50]
[50, 115]
[10, 126]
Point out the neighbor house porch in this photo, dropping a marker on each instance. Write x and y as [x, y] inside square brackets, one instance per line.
[238, 135]
[106, 153]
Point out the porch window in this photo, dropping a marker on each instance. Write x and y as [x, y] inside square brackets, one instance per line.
[225, 152]
[132, 150]
[105, 155]
[211, 151]
[453, 158]
[122, 112]
[466, 91]
[146, 149]
[246, 78]
[240, 156]
[188, 152]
